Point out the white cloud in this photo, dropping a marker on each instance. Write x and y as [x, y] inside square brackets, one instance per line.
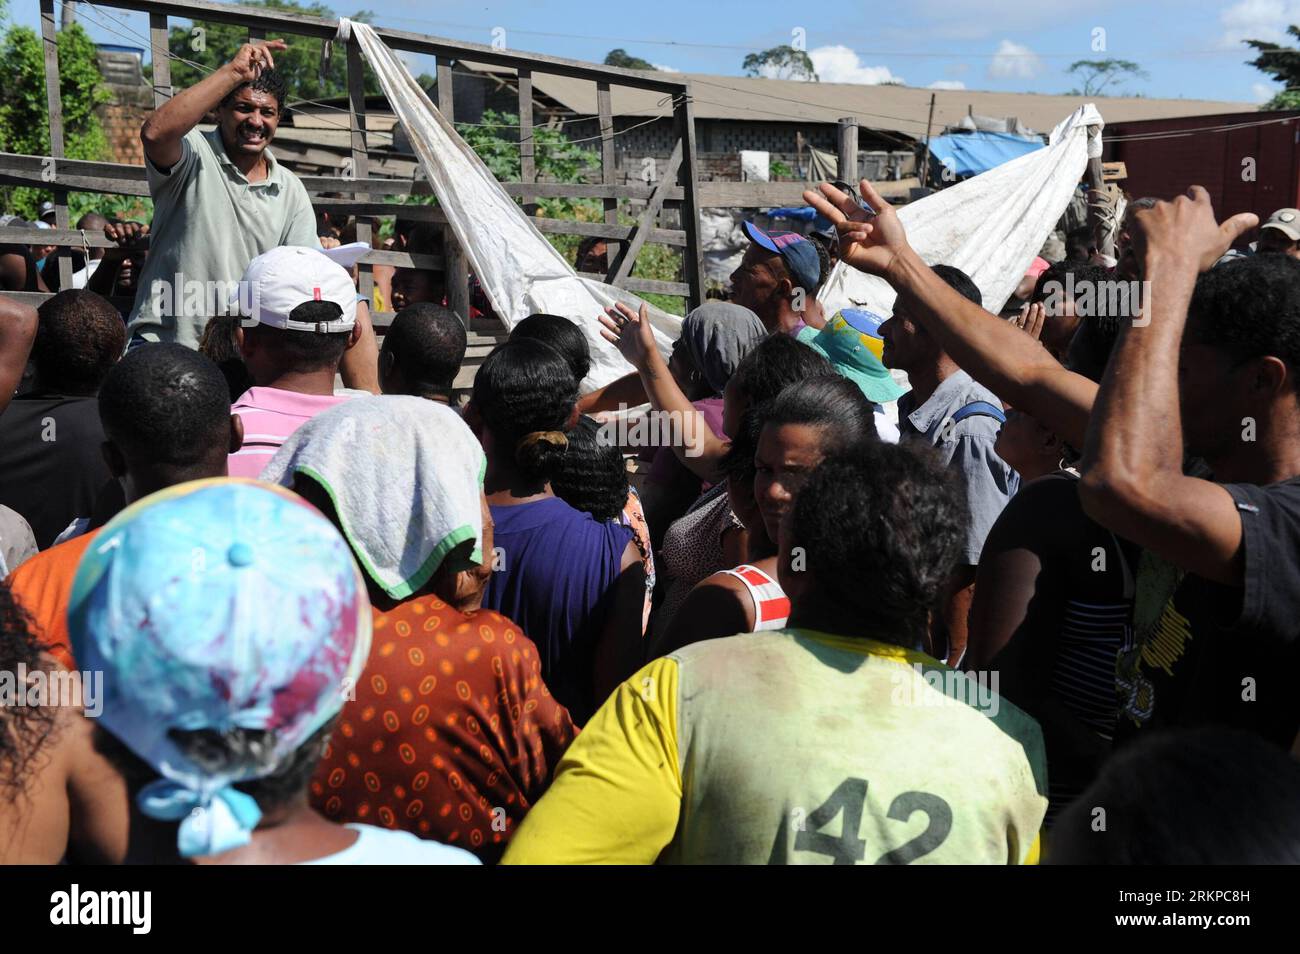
[839, 64]
[1014, 61]
[1258, 20]
[947, 84]
[1262, 92]
[665, 69]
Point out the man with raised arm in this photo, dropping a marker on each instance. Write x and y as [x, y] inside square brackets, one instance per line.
[1210, 370]
[220, 198]
[997, 354]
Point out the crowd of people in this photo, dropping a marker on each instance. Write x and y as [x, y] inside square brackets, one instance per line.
[278, 592]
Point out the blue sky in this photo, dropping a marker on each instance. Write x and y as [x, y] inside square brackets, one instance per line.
[1190, 49]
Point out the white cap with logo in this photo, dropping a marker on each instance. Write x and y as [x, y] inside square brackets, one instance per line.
[278, 281]
[1286, 221]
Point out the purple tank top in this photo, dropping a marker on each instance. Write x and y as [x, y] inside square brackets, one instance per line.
[557, 571]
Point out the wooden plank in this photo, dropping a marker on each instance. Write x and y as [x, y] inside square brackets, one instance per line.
[647, 285]
[360, 160]
[675, 237]
[30, 235]
[74, 238]
[621, 267]
[692, 256]
[122, 179]
[607, 156]
[36, 299]
[441, 47]
[527, 151]
[160, 56]
[54, 102]
[456, 273]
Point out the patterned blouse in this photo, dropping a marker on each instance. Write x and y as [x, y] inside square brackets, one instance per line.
[451, 735]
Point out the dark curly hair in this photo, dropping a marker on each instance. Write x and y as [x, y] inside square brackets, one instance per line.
[218, 343]
[830, 402]
[24, 730]
[562, 335]
[302, 352]
[959, 282]
[524, 392]
[592, 476]
[1204, 796]
[738, 461]
[882, 526]
[428, 343]
[79, 337]
[213, 751]
[269, 80]
[166, 404]
[774, 363]
[1249, 308]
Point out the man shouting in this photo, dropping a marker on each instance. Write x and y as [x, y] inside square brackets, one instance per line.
[220, 198]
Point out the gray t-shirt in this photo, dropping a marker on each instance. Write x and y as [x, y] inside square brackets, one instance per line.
[967, 447]
[209, 222]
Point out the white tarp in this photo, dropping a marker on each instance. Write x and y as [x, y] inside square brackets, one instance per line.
[990, 226]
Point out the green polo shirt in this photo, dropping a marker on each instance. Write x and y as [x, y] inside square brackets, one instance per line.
[209, 222]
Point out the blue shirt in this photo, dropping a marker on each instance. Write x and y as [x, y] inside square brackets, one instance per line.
[554, 571]
[967, 447]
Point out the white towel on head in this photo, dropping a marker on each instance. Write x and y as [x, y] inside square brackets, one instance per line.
[405, 475]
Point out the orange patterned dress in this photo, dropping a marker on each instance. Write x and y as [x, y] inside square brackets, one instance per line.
[451, 734]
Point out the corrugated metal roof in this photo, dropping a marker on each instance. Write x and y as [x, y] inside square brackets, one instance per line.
[901, 109]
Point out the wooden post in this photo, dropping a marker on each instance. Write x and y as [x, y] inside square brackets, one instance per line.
[54, 101]
[607, 160]
[456, 271]
[360, 166]
[160, 55]
[255, 34]
[692, 261]
[848, 152]
[621, 268]
[527, 166]
[925, 163]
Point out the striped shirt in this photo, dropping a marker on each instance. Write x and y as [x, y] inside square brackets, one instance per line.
[270, 415]
[771, 605]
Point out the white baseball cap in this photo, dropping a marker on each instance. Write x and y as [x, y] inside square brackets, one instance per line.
[1286, 221]
[278, 281]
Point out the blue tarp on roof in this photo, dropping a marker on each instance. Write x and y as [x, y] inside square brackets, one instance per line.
[969, 154]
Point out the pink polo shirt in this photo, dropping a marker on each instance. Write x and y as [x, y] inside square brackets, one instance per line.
[270, 415]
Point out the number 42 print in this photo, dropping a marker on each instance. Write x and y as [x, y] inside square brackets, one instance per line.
[847, 801]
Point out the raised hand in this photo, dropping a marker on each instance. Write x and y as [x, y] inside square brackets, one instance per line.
[630, 332]
[869, 241]
[1187, 229]
[252, 58]
[1030, 320]
[129, 236]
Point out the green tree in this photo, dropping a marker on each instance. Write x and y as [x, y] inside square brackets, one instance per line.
[780, 62]
[206, 46]
[1283, 64]
[622, 58]
[1096, 75]
[24, 113]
